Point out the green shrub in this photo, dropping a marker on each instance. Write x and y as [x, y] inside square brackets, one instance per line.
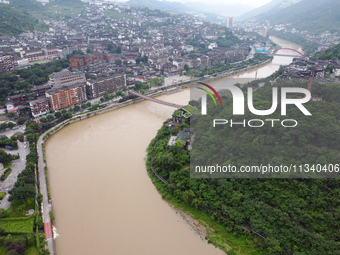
[5, 174]
[2, 195]
[17, 225]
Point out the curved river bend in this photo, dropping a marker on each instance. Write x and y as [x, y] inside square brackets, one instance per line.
[103, 199]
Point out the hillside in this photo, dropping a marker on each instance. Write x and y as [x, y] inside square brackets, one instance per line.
[27, 5]
[312, 15]
[296, 216]
[68, 3]
[260, 10]
[210, 10]
[13, 21]
[164, 6]
[330, 53]
[58, 9]
[26, 15]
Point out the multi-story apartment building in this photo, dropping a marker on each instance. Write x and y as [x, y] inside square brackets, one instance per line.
[52, 53]
[97, 88]
[35, 56]
[66, 96]
[68, 89]
[66, 78]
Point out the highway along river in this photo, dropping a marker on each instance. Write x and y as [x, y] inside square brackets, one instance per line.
[103, 199]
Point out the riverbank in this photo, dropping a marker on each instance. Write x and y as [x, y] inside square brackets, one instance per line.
[223, 234]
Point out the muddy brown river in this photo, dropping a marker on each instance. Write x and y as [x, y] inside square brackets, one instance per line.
[103, 200]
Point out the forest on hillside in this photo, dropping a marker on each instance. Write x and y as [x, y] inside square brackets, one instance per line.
[14, 21]
[316, 16]
[331, 53]
[296, 216]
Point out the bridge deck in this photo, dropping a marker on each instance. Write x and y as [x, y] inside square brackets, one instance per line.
[155, 100]
[286, 55]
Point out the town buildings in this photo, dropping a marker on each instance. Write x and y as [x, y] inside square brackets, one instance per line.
[63, 97]
[66, 78]
[108, 83]
[6, 64]
[39, 106]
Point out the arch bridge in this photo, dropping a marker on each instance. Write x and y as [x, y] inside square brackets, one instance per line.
[275, 52]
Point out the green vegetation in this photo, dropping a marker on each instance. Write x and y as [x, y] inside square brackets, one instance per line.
[31, 11]
[330, 53]
[6, 158]
[17, 230]
[14, 21]
[21, 121]
[156, 82]
[35, 75]
[2, 195]
[27, 5]
[196, 43]
[118, 15]
[140, 86]
[31, 251]
[297, 216]
[177, 113]
[311, 15]
[143, 60]
[10, 141]
[17, 225]
[192, 109]
[112, 49]
[24, 187]
[5, 174]
[228, 41]
[8, 165]
[68, 3]
[171, 163]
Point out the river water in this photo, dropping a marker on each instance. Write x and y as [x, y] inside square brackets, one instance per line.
[103, 200]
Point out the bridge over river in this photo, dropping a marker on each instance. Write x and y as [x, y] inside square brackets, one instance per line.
[131, 92]
[274, 52]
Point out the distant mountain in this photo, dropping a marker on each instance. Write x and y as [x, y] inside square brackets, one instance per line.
[260, 10]
[220, 9]
[225, 9]
[71, 3]
[311, 15]
[13, 21]
[164, 5]
[27, 5]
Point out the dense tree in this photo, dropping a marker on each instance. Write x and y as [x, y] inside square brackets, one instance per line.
[43, 120]
[5, 158]
[297, 216]
[50, 117]
[118, 50]
[10, 125]
[21, 121]
[22, 193]
[330, 53]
